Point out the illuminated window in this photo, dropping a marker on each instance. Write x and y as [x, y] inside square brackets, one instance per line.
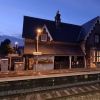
[98, 56]
[44, 37]
[97, 39]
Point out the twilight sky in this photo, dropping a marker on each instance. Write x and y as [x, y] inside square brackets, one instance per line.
[72, 11]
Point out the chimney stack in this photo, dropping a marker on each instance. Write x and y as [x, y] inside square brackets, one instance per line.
[57, 18]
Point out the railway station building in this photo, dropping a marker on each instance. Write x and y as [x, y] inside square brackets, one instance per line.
[50, 45]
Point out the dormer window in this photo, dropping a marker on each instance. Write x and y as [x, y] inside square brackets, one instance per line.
[44, 37]
[97, 39]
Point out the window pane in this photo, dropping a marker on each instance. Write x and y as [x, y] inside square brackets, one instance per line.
[96, 38]
[44, 37]
[97, 53]
[97, 59]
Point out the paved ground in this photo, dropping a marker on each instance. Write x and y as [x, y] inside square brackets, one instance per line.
[36, 73]
[68, 93]
[30, 74]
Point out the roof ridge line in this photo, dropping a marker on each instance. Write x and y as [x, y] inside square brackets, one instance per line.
[52, 21]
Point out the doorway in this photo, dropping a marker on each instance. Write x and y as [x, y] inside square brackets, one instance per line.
[61, 62]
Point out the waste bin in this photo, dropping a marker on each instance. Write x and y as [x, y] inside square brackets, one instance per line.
[4, 64]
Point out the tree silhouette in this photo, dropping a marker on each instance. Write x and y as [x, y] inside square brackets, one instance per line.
[5, 47]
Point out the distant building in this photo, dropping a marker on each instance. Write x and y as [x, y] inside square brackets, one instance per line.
[63, 45]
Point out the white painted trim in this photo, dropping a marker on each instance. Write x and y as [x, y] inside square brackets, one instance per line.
[48, 32]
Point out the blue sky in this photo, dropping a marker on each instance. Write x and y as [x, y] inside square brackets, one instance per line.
[72, 11]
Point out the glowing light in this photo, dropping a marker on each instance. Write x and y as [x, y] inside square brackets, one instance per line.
[16, 43]
[39, 31]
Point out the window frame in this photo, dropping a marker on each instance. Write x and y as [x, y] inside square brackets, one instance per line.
[97, 38]
[44, 37]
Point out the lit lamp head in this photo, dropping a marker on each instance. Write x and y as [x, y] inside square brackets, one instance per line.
[16, 44]
[39, 31]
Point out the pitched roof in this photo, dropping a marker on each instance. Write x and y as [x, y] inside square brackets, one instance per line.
[65, 32]
[87, 27]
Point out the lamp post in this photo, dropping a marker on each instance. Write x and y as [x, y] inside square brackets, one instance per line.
[16, 47]
[37, 53]
[37, 39]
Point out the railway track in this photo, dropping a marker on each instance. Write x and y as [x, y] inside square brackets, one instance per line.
[58, 94]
